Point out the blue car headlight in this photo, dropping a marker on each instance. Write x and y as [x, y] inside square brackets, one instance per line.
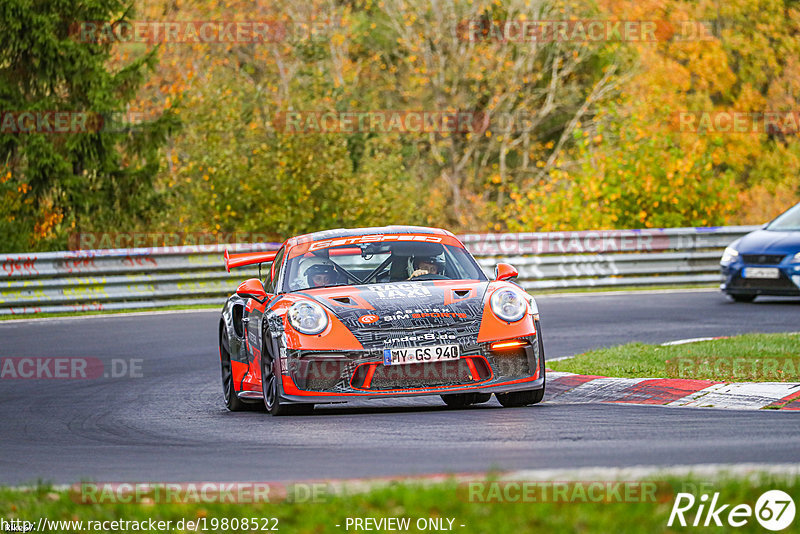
[729, 255]
[796, 258]
[508, 305]
[308, 317]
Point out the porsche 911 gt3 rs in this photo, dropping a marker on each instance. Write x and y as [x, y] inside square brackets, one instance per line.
[372, 313]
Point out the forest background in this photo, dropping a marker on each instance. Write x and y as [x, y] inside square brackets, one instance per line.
[569, 133]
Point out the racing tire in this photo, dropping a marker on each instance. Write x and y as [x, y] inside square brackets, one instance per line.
[232, 401]
[271, 391]
[743, 298]
[460, 400]
[518, 399]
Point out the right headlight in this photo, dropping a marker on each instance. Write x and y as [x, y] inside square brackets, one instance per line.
[796, 258]
[508, 305]
[308, 317]
[729, 255]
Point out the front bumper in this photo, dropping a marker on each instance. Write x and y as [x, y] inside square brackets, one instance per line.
[322, 377]
[786, 285]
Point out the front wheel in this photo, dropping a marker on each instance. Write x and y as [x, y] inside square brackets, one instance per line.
[270, 389]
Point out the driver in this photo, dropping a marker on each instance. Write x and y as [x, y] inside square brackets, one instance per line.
[319, 273]
[425, 265]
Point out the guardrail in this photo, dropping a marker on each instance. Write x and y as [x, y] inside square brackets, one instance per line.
[117, 279]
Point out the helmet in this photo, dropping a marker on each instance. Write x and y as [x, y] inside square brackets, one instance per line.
[435, 260]
[312, 267]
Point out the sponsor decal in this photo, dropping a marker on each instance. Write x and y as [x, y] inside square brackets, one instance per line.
[424, 313]
[422, 337]
[368, 319]
[400, 290]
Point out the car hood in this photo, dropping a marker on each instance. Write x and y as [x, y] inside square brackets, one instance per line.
[404, 304]
[769, 242]
[379, 313]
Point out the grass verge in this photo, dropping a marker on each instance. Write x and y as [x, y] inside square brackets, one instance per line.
[543, 508]
[745, 358]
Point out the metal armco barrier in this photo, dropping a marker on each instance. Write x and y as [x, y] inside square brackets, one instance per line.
[119, 279]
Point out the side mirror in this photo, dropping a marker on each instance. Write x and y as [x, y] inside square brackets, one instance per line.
[253, 289]
[504, 271]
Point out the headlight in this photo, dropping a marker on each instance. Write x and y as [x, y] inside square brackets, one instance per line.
[308, 317]
[729, 255]
[796, 258]
[508, 305]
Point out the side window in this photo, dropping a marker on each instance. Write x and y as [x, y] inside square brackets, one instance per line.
[274, 272]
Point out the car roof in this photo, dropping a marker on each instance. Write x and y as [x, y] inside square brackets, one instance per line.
[374, 230]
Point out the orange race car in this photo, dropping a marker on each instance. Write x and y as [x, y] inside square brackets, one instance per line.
[369, 313]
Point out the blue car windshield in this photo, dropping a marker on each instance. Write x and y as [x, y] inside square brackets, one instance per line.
[787, 221]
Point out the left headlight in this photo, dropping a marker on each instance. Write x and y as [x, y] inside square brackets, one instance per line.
[796, 258]
[508, 305]
[729, 255]
[308, 317]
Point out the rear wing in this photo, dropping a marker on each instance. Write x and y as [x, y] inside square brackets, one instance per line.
[232, 261]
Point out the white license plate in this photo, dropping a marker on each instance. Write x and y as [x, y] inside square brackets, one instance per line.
[435, 353]
[761, 272]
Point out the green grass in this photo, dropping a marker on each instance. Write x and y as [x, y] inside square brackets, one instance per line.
[110, 312]
[442, 500]
[745, 358]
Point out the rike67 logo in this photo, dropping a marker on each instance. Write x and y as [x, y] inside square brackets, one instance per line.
[774, 510]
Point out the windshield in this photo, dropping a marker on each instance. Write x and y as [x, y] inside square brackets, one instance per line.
[379, 263]
[789, 220]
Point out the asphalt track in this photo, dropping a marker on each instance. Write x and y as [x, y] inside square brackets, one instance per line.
[170, 424]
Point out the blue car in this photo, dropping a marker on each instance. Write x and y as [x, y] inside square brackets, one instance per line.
[765, 262]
